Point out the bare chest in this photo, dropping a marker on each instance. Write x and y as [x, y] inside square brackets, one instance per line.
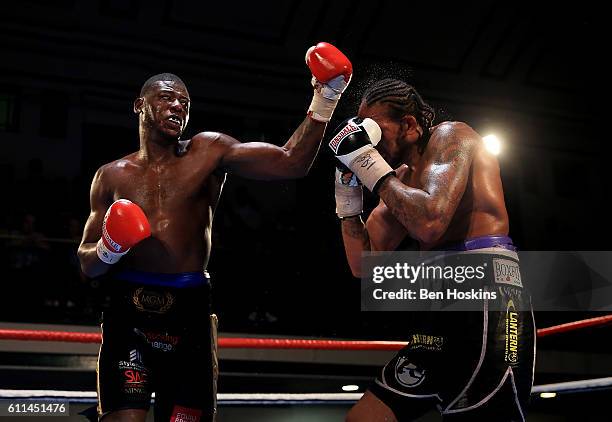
[163, 189]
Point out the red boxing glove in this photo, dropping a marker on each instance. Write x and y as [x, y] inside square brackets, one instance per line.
[125, 224]
[331, 74]
[326, 62]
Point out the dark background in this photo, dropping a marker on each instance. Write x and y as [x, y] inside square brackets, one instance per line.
[70, 70]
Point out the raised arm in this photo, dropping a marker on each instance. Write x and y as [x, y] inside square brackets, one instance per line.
[427, 212]
[332, 72]
[260, 160]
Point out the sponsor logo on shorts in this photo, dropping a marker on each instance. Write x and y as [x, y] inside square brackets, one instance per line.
[512, 335]
[151, 301]
[161, 341]
[334, 144]
[134, 365]
[135, 356]
[185, 414]
[135, 377]
[507, 272]
[408, 374]
[427, 342]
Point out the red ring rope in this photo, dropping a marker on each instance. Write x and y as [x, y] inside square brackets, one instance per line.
[283, 343]
[575, 325]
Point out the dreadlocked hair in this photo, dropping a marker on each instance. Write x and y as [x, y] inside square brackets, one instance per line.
[402, 99]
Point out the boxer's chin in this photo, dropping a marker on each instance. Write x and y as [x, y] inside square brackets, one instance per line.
[170, 133]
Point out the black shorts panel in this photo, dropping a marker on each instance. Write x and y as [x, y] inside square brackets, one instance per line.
[465, 363]
[156, 339]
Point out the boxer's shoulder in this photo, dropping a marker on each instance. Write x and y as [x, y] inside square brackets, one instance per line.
[118, 167]
[206, 137]
[215, 140]
[449, 139]
[450, 128]
[214, 143]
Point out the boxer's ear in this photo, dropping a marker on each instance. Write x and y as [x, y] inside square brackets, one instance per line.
[138, 103]
[409, 125]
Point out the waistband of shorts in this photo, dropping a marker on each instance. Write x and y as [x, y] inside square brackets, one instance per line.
[482, 242]
[176, 280]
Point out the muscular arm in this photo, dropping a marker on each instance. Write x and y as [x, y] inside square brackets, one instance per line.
[381, 232]
[427, 212]
[263, 161]
[100, 199]
[356, 240]
[386, 233]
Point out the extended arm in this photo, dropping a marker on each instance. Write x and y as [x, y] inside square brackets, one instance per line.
[260, 160]
[332, 73]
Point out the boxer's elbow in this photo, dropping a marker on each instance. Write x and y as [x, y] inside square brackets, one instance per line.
[88, 265]
[431, 229]
[86, 268]
[295, 166]
[429, 232]
[81, 257]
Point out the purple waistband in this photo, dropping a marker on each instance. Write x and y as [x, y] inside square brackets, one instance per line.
[482, 242]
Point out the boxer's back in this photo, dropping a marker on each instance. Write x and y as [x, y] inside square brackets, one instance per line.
[178, 196]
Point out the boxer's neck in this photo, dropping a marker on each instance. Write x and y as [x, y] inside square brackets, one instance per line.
[410, 155]
[155, 148]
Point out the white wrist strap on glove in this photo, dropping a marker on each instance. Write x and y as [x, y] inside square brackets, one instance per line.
[325, 98]
[106, 255]
[368, 165]
[349, 195]
[321, 109]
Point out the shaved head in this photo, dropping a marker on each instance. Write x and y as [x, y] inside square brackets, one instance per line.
[160, 77]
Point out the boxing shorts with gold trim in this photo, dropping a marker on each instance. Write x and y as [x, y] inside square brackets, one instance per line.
[158, 335]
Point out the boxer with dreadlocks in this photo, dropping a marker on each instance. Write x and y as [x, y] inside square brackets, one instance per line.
[446, 193]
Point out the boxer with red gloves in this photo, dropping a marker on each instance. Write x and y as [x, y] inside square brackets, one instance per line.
[331, 74]
[124, 226]
[150, 231]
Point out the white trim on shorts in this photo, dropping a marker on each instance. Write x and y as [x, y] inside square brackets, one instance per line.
[491, 394]
[414, 396]
[385, 385]
[516, 399]
[483, 352]
[535, 341]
